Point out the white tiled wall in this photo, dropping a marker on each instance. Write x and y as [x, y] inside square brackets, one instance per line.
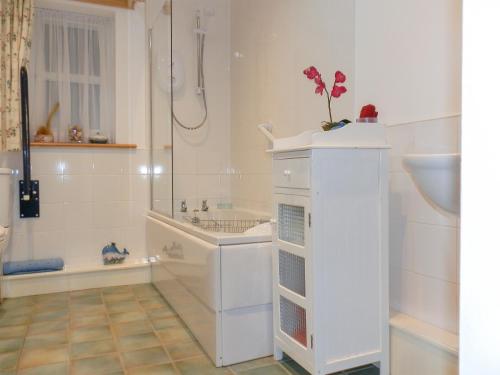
[411, 71]
[88, 199]
[424, 249]
[201, 157]
[267, 83]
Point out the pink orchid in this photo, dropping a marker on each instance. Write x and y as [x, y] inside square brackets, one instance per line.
[339, 77]
[311, 72]
[320, 84]
[337, 91]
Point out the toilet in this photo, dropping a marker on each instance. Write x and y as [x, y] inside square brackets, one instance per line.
[5, 208]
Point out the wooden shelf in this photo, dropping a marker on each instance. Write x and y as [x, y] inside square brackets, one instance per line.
[83, 145]
[128, 4]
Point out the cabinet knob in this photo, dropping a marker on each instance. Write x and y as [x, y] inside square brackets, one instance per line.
[287, 172]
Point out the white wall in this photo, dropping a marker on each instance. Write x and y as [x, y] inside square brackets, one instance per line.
[272, 42]
[480, 279]
[408, 63]
[91, 197]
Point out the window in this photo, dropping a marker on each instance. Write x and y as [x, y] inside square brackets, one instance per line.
[72, 63]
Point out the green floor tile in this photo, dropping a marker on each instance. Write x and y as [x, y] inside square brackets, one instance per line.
[84, 293]
[140, 341]
[174, 334]
[132, 328]
[266, 370]
[11, 345]
[62, 314]
[89, 320]
[113, 290]
[122, 306]
[119, 297]
[144, 291]
[153, 370]
[47, 327]
[43, 356]
[199, 366]
[13, 331]
[92, 348]
[182, 350]
[153, 303]
[46, 339]
[14, 320]
[106, 364]
[163, 323]
[8, 361]
[261, 362]
[54, 369]
[164, 312]
[90, 334]
[294, 368]
[151, 356]
[128, 316]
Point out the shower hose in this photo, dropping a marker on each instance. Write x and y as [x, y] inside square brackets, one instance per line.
[201, 86]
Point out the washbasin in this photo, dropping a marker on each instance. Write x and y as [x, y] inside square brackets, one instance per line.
[437, 177]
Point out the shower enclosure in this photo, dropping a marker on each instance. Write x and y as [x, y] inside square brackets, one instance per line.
[189, 105]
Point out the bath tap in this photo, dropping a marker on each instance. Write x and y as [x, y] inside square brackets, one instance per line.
[204, 205]
[184, 206]
[195, 219]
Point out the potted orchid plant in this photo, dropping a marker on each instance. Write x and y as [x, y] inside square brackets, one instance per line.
[336, 92]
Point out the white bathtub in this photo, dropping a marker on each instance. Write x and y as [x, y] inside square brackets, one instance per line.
[220, 284]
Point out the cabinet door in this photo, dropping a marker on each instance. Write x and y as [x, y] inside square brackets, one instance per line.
[292, 273]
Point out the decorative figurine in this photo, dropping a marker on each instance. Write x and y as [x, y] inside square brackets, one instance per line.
[111, 254]
[75, 134]
[97, 137]
[44, 133]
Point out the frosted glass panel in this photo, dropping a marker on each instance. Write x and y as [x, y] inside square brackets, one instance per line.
[292, 272]
[293, 320]
[291, 224]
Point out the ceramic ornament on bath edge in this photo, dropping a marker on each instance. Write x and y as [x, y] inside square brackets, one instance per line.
[111, 254]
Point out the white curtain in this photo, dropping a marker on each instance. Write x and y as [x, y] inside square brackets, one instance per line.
[73, 63]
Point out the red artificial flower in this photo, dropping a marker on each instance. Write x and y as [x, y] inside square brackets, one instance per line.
[339, 77]
[311, 72]
[368, 110]
[337, 91]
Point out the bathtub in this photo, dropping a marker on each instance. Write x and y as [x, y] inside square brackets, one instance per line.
[219, 283]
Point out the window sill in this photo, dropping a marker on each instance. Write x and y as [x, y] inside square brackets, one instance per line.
[83, 145]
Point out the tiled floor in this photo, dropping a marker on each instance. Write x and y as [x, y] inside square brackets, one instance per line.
[120, 330]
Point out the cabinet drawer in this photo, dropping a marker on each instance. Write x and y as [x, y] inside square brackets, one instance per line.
[291, 173]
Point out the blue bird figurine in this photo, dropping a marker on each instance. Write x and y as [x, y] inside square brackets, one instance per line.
[111, 254]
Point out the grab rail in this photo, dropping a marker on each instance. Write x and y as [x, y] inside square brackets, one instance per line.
[25, 128]
[29, 197]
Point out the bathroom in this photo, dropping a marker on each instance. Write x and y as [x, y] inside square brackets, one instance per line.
[180, 126]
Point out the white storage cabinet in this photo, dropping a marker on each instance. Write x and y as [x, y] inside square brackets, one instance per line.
[330, 257]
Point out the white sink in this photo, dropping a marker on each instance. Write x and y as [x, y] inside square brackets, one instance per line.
[437, 177]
